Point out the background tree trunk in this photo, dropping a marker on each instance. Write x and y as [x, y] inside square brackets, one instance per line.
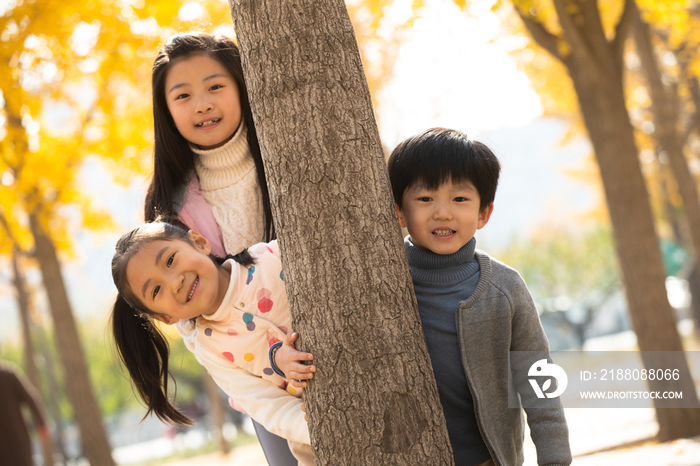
[32, 373]
[216, 410]
[595, 66]
[670, 138]
[374, 400]
[637, 246]
[93, 437]
[52, 401]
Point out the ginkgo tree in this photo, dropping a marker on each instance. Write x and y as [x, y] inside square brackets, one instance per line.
[74, 75]
[587, 39]
[56, 94]
[74, 85]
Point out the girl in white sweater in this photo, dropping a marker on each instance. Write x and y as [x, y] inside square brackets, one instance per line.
[208, 171]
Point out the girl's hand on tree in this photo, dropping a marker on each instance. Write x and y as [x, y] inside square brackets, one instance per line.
[290, 361]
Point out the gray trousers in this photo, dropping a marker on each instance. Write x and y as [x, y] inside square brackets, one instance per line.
[276, 449]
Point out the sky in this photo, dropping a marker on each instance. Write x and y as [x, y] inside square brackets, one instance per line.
[453, 71]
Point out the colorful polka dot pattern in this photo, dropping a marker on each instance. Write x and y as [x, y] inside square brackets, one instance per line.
[264, 301]
[271, 338]
[248, 321]
[262, 248]
[244, 338]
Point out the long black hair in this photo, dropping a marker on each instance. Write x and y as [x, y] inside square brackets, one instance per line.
[173, 160]
[141, 346]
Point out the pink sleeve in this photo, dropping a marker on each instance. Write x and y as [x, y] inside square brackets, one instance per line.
[197, 215]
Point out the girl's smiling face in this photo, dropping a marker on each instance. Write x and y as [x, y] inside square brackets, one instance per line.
[177, 279]
[204, 101]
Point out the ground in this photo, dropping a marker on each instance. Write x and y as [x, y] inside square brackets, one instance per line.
[599, 437]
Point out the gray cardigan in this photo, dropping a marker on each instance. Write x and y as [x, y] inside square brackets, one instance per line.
[497, 318]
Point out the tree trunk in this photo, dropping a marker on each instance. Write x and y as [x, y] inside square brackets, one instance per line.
[94, 441]
[601, 97]
[637, 246]
[52, 402]
[374, 400]
[677, 232]
[30, 365]
[216, 410]
[595, 66]
[670, 138]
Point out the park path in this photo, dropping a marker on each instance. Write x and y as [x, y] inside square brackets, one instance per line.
[599, 437]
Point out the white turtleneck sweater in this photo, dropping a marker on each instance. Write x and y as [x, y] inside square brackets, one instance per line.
[228, 181]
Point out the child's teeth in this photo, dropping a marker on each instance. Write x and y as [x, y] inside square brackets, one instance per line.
[443, 232]
[194, 285]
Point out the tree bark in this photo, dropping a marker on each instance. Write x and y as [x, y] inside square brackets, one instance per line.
[94, 441]
[373, 400]
[595, 67]
[32, 373]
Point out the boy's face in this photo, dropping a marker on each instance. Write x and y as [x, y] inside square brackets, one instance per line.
[443, 220]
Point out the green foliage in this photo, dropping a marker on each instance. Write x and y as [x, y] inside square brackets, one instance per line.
[187, 372]
[13, 353]
[559, 262]
[109, 379]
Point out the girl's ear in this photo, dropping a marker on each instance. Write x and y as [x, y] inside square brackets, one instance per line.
[200, 241]
[165, 319]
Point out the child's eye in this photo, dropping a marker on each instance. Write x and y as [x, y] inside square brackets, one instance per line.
[170, 260]
[182, 96]
[424, 199]
[461, 199]
[215, 87]
[155, 291]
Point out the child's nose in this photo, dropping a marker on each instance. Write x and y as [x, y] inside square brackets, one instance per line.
[177, 283]
[203, 105]
[442, 212]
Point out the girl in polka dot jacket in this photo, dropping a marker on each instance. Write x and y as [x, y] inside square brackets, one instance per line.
[232, 313]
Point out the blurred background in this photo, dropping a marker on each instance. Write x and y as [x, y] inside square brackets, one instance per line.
[76, 153]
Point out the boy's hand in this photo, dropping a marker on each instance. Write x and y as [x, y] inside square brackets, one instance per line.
[287, 357]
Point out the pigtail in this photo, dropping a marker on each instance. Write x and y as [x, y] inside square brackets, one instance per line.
[243, 258]
[144, 351]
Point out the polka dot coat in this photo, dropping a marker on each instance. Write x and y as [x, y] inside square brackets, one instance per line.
[252, 317]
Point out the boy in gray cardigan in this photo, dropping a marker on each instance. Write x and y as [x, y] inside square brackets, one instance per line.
[474, 309]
